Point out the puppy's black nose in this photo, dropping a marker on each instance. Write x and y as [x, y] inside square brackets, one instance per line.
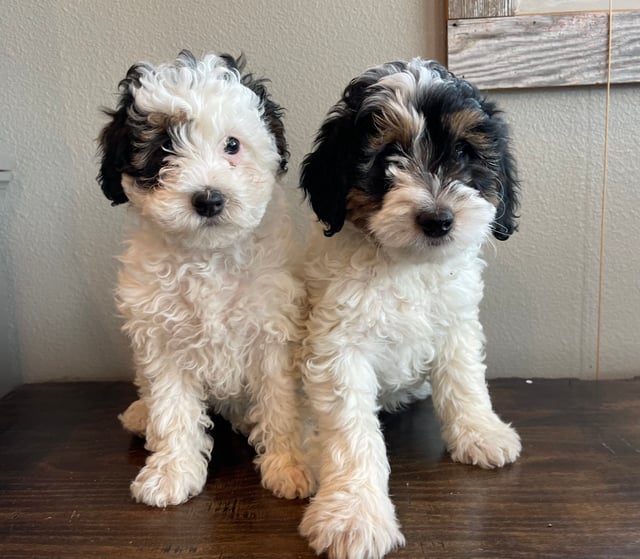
[208, 203]
[437, 223]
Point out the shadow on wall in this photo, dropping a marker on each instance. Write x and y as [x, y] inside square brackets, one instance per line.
[9, 358]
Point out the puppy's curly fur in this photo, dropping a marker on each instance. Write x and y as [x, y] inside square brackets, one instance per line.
[410, 175]
[211, 305]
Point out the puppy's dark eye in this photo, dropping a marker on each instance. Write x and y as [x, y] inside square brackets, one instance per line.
[462, 151]
[232, 146]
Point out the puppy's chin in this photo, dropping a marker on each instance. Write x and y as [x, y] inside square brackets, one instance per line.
[421, 253]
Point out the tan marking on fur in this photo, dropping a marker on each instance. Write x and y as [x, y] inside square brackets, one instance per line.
[464, 121]
[397, 123]
[464, 126]
[360, 207]
[164, 121]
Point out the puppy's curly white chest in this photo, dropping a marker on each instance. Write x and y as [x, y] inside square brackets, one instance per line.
[203, 316]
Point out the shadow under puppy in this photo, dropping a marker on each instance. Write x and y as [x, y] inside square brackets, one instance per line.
[212, 308]
[410, 174]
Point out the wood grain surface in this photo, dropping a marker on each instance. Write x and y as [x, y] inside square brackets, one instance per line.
[480, 8]
[545, 50]
[65, 467]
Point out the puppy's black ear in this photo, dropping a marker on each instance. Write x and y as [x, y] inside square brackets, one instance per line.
[328, 172]
[505, 223]
[115, 147]
[273, 118]
[273, 112]
[507, 184]
[325, 173]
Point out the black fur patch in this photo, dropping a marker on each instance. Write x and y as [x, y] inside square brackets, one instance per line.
[272, 115]
[130, 144]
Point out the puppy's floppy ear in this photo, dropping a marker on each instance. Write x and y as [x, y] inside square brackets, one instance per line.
[273, 118]
[325, 171]
[115, 144]
[273, 112]
[328, 172]
[505, 223]
[507, 185]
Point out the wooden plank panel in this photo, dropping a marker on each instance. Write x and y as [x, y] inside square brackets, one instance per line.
[545, 50]
[460, 9]
[523, 7]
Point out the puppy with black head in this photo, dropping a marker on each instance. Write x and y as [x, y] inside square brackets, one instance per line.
[410, 176]
[211, 305]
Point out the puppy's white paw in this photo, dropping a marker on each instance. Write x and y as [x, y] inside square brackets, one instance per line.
[352, 526]
[164, 482]
[285, 476]
[134, 418]
[489, 444]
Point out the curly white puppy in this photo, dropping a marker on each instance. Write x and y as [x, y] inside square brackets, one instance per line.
[410, 174]
[212, 308]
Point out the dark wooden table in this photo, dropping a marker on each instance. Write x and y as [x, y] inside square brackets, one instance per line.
[65, 468]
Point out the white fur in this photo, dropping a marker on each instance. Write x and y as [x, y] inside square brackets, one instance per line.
[212, 307]
[384, 322]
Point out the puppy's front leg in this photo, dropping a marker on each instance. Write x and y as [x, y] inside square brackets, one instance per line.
[135, 418]
[352, 516]
[278, 431]
[474, 434]
[177, 419]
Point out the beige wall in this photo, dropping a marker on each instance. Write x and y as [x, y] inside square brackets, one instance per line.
[542, 287]
[61, 60]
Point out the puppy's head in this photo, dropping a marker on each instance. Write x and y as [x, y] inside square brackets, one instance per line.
[195, 147]
[415, 158]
